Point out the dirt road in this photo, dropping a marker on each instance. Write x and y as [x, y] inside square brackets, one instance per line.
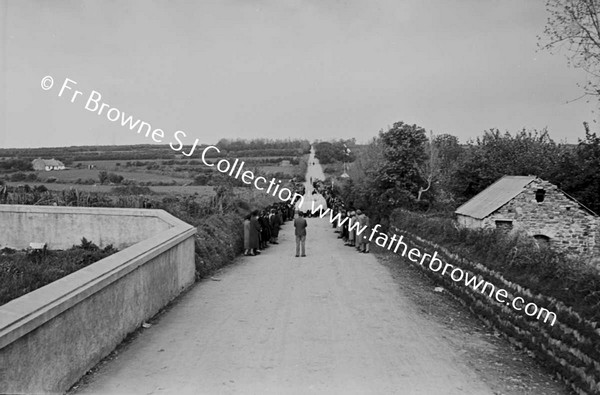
[333, 322]
[314, 172]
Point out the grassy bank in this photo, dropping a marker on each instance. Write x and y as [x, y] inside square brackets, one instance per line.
[25, 271]
[519, 259]
[571, 289]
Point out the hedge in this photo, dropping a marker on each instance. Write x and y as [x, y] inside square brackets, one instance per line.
[570, 347]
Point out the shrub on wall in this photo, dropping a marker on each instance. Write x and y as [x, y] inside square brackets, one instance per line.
[26, 271]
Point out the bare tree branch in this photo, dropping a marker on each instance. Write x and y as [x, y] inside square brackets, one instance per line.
[575, 25]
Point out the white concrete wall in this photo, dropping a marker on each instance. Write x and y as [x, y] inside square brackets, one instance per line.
[50, 337]
[62, 227]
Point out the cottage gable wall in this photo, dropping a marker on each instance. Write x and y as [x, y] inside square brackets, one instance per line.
[568, 227]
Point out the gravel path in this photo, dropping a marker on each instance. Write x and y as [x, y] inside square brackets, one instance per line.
[335, 322]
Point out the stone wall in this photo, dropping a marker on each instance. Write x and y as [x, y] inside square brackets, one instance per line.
[469, 222]
[568, 226]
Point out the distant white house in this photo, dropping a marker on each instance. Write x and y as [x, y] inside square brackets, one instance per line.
[47, 164]
[285, 162]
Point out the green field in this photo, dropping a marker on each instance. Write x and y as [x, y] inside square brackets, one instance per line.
[101, 164]
[161, 175]
[290, 170]
[72, 175]
[179, 189]
[249, 193]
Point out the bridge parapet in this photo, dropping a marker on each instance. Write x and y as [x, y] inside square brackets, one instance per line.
[50, 337]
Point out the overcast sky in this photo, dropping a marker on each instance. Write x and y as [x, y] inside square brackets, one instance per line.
[316, 69]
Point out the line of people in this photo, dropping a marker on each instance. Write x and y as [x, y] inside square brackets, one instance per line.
[348, 230]
[261, 228]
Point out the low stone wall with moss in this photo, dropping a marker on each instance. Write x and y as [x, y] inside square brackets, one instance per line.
[570, 347]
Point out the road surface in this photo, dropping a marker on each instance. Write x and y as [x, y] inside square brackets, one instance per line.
[334, 322]
[313, 173]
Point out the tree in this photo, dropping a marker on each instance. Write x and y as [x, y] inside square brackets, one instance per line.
[360, 190]
[330, 152]
[114, 178]
[440, 170]
[201, 179]
[577, 172]
[404, 150]
[430, 168]
[495, 155]
[103, 177]
[574, 25]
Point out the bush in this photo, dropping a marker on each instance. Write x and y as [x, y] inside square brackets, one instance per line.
[9, 165]
[201, 179]
[102, 177]
[219, 239]
[115, 178]
[17, 177]
[24, 271]
[132, 190]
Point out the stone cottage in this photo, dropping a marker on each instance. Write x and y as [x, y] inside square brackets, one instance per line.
[537, 207]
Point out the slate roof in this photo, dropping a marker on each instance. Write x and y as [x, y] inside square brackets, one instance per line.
[494, 196]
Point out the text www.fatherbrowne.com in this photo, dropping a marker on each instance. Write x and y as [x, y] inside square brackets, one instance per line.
[435, 264]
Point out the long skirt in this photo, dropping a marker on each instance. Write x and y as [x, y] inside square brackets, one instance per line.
[246, 235]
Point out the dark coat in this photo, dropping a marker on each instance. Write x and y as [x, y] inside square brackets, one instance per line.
[254, 233]
[275, 223]
[265, 233]
[300, 224]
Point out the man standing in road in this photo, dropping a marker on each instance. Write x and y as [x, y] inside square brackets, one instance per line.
[300, 225]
